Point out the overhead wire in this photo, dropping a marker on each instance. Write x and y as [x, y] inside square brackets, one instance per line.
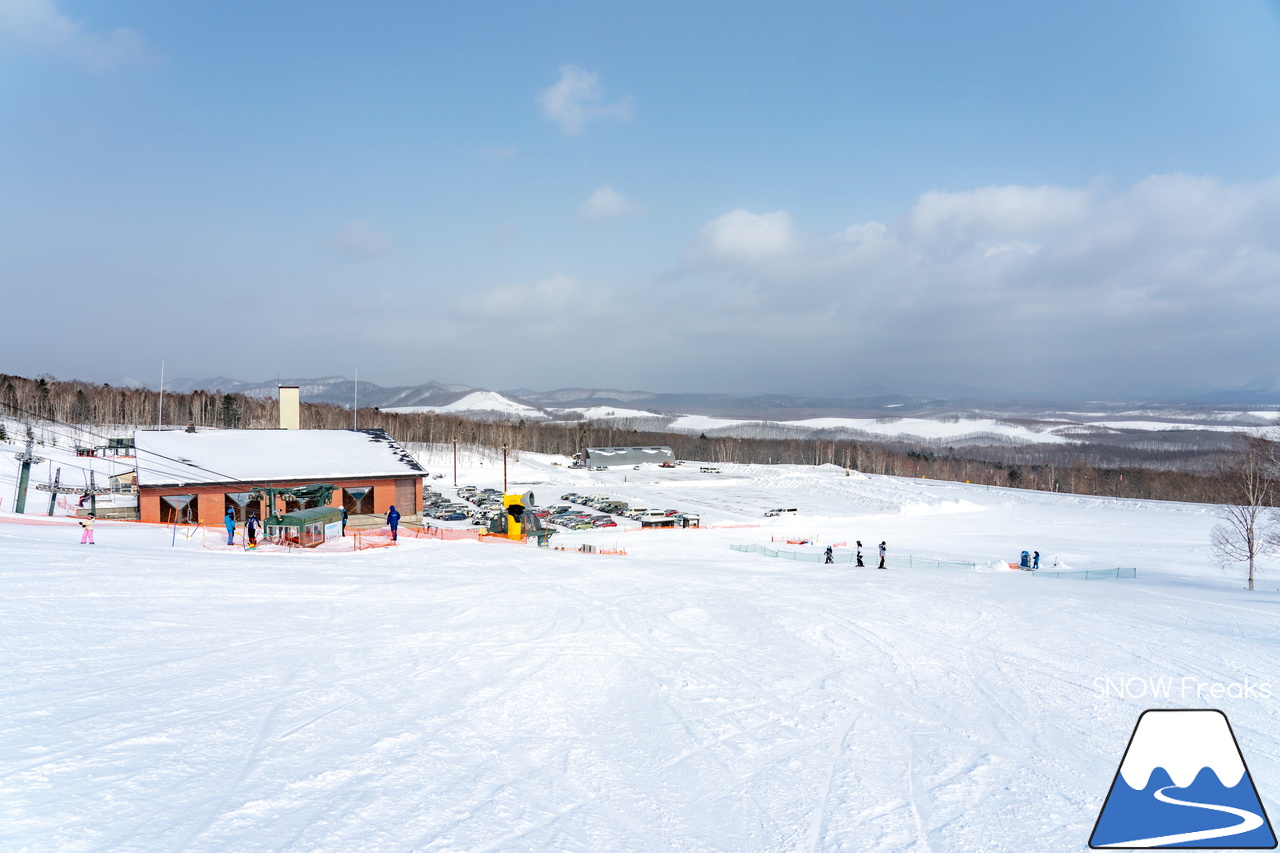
[183, 466]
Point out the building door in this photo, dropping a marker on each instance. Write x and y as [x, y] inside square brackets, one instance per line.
[406, 491]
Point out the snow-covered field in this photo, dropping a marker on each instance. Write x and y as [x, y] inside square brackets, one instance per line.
[443, 696]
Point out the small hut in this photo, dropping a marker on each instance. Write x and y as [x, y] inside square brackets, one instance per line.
[305, 528]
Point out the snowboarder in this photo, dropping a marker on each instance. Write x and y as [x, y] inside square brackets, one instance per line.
[1035, 562]
[830, 558]
[251, 528]
[344, 521]
[393, 521]
[87, 524]
[860, 565]
[883, 549]
[230, 522]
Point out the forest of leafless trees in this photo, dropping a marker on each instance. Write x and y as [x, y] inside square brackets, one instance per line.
[1080, 469]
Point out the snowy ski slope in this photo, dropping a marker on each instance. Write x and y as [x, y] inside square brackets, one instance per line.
[443, 696]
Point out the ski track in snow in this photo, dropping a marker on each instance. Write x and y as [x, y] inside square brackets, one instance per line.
[457, 696]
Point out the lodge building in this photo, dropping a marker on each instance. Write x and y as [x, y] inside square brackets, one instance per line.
[196, 475]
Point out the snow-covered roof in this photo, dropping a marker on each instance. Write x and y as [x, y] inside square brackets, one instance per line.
[609, 456]
[177, 457]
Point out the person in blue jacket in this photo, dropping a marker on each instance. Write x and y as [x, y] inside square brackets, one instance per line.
[1035, 563]
[230, 522]
[393, 521]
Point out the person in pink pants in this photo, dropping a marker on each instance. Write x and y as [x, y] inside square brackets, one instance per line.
[87, 524]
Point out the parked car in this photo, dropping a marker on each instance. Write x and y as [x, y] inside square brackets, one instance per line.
[454, 516]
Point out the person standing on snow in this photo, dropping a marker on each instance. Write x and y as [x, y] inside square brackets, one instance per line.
[251, 528]
[1035, 562]
[860, 566]
[87, 524]
[829, 556]
[393, 521]
[883, 549]
[230, 522]
[344, 521]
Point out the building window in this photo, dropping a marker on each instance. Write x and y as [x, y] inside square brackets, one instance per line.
[358, 501]
[178, 509]
[241, 504]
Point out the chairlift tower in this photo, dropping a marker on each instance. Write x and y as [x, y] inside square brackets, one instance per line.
[57, 488]
[27, 460]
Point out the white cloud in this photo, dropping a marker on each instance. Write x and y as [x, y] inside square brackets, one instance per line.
[1024, 288]
[358, 241]
[40, 25]
[556, 297]
[606, 203]
[577, 98]
[1010, 210]
[742, 237]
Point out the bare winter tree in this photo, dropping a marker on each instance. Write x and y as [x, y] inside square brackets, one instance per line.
[1248, 529]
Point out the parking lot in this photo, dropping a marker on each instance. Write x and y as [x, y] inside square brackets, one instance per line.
[573, 511]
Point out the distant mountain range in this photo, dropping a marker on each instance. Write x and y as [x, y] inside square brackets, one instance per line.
[876, 401]
[875, 413]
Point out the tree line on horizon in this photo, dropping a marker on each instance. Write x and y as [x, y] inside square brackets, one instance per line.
[1085, 469]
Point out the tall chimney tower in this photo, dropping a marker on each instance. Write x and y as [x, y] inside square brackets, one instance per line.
[290, 410]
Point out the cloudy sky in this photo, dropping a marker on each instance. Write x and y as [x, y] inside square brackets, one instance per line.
[1067, 198]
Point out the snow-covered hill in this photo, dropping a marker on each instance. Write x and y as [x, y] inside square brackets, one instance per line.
[165, 693]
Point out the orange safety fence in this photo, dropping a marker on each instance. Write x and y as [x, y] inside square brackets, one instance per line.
[449, 534]
[592, 549]
[678, 527]
[64, 520]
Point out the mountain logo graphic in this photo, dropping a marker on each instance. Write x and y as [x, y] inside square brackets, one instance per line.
[1183, 783]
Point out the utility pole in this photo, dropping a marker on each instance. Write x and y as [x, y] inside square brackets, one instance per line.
[26, 459]
[504, 469]
[93, 494]
[160, 408]
[355, 402]
[455, 462]
[53, 492]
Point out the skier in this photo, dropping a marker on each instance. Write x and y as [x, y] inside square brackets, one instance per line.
[393, 521]
[829, 557]
[251, 528]
[87, 524]
[344, 521]
[1035, 563]
[860, 565]
[230, 522]
[883, 549]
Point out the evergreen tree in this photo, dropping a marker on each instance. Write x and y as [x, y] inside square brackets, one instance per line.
[231, 412]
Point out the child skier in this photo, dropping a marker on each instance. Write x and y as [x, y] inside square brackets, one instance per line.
[251, 529]
[87, 524]
[883, 549]
[860, 556]
[829, 556]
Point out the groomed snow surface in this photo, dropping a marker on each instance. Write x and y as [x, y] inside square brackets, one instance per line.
[458, 696]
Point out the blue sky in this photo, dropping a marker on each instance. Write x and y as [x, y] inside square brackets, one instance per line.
[1060, 198]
